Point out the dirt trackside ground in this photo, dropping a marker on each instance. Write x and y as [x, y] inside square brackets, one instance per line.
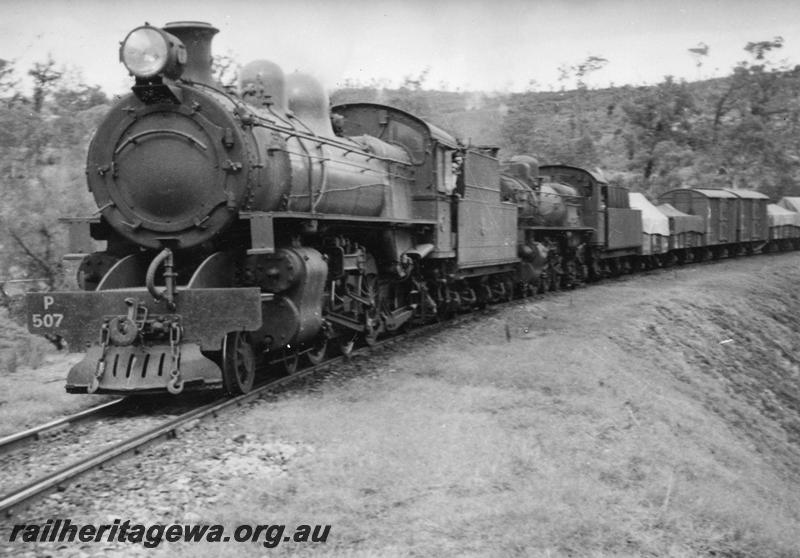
[657, 415]
[652, 416]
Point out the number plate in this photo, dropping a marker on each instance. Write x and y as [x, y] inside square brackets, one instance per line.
[45, 314]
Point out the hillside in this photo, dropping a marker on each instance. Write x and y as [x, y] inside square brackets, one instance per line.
[739, 131]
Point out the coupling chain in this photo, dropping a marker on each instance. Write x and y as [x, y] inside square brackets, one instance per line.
[175, 384]
[105, 338]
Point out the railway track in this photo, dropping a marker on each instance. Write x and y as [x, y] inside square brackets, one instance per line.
[13, 441]
[59, 480]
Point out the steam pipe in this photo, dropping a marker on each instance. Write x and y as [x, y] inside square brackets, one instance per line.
[168, 292]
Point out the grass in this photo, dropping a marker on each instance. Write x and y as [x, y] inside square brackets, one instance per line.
[468, 449]
[18, 347]
[32, 377]
[29, 397]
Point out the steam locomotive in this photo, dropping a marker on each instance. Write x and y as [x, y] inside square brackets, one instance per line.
[263, 226]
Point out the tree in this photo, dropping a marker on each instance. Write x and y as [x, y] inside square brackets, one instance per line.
[580, 128]
[45, 77]
[42, 151]
[754, 127]
[225, 68]
[583, 69]
[699, 53]
[751, 86]
[78, 98]
[519, 124]
[411, 97]
[7, 81]
[580, 71]
[760, 49]
[661, 121]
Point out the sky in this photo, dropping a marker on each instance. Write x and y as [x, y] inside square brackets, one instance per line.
[485, 45]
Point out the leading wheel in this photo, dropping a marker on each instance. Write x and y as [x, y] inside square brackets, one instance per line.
[289, 360]
[238, 363]
[346, 345]
[370, 334]
[316, 354]
[544, 283]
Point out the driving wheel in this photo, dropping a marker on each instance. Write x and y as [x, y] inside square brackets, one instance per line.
[238, 363]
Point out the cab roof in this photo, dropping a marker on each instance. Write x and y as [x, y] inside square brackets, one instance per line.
[436, 133]
[596, 174]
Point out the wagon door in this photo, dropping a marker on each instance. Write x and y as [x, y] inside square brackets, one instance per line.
[723, 220]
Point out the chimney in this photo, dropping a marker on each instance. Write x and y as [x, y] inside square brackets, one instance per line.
[196, 37]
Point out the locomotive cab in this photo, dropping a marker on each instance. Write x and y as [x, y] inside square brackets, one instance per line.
[456, 187]
[606, 210]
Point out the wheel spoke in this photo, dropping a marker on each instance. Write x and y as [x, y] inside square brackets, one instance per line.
[238, 363]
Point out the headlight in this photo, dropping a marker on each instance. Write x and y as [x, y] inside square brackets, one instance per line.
[148, 51]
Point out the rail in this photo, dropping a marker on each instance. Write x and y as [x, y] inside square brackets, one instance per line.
[7, 442]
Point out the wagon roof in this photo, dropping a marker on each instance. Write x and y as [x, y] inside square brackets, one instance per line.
[779, 216]
[653, 221]
[714, 192]
[748, 194]
[791, 203]
[775, 209]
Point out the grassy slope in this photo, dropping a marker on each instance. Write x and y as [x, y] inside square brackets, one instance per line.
[660, 419]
